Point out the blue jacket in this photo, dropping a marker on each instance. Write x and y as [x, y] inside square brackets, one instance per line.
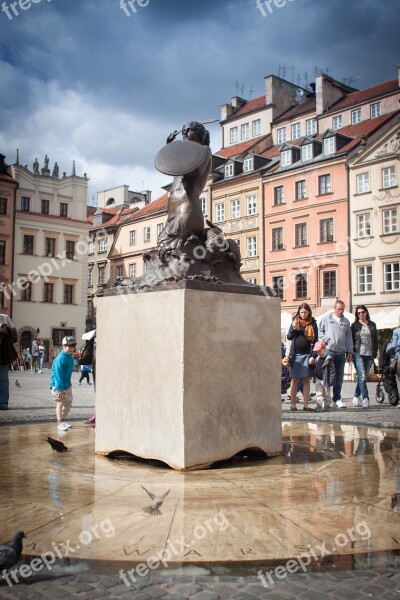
[61, 371]
[396, 341]
[293, 333]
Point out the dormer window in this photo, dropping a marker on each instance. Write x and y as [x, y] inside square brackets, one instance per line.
[329, 145]
[286, 158]
[306, 152]
[248, 164]
[229, 170]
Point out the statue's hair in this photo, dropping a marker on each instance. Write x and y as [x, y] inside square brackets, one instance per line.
[201, 130]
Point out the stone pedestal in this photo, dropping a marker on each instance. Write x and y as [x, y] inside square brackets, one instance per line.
[188, 376]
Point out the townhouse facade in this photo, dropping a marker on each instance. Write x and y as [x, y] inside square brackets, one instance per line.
[50, 257]
[8, 192]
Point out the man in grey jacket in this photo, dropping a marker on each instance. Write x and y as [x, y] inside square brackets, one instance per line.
[334, 329]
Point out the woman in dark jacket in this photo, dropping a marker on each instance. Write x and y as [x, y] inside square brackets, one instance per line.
[365, 340]
[303, 334]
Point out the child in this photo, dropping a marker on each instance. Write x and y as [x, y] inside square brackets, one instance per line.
[60, 382]
[324, 375]
[85, 370]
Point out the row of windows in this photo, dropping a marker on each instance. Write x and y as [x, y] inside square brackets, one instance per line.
[45, 206]
[146, 234]
[300, 234]
[301, 285]
[390, 223]
[48, 292]
[245, 131]
[311, 129]
[388, 180]
[28, 246]
[251, 208]
[391, 278]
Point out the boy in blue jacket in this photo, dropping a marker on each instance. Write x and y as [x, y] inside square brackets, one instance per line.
[60, 382]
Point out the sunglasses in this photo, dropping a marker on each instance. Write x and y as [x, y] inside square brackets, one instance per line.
[361, 312]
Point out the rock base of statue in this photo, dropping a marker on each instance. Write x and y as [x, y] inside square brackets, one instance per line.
[188, 376]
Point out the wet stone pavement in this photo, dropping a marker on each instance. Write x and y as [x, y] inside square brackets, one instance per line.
[379, 577]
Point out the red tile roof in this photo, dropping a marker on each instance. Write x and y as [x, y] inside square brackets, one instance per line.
[230, 151]
[364, 95]
[250, 106]
[90, 210]
[6, 177]
[153, 207]
[298, 109]
[275, 150]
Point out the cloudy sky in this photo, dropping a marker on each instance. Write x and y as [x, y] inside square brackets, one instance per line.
[81, 80]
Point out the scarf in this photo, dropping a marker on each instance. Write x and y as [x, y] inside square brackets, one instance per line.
[309, 332]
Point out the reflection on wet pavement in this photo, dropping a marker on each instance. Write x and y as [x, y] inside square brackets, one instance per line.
[332, 494]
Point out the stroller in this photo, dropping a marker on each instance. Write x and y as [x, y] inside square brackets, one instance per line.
[387, 363]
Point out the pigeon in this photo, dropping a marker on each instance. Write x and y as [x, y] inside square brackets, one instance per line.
[17, 383]
[11, 553]
[153, 510]
[56, 445]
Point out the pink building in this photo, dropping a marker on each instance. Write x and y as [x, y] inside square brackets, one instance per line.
[8, 187]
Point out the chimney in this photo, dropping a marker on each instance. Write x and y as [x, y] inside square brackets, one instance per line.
[237, 102]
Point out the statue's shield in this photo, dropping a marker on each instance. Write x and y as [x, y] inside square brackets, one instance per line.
[181, 157]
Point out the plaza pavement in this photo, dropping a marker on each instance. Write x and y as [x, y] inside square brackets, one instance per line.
[32, 402]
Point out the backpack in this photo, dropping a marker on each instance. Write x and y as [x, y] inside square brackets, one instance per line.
[88, 352]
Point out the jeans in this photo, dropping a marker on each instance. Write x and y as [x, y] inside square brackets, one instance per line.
[339, 359]
[4, 393]
[41, 363]
[363, 366]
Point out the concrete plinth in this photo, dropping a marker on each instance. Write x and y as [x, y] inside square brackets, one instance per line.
[188, 376]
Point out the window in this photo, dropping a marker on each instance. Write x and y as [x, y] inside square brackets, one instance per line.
[356, 116]
[296, 132]
[375, 110]
[146, 234]
[251, 243]
[281, 132]
[2, 252]
[363, 225]
[235, 209]
[233, 135]
[392, 277]
[160, 227]
[286, 158]
[70, 249]
[301, 286]
[364, 277]
[329, 283]
[68, 294]
[63, 209]
[324, 184]
[91, 247]
[25, 203]
[58, 335]
[251, 205]
[300, 235]
[119, 272]
[244, 131]
[3, 206]
[132, 270]
[219, 212]
[311, 125]
[229, 170]
[279, 195]
[90, 281]
[390, 221]
[45, 207]
[388, 177]
[248, 164]
[238, 242]
[48, 292]
[102, 275]
[329, 145]
[26, 292]
[277, 286]
[102, 245]
[307, 152]
[300, 189]
[132, 237]
[203, 205]
[326, 230]
[256, 127]
[28, 244]
[337, 122]
[50, 246]
[277, 238]
[363, 183]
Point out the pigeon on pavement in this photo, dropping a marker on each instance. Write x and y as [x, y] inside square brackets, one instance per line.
[153, 510]
[56, 445]
[17, 383]
[11, 553]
